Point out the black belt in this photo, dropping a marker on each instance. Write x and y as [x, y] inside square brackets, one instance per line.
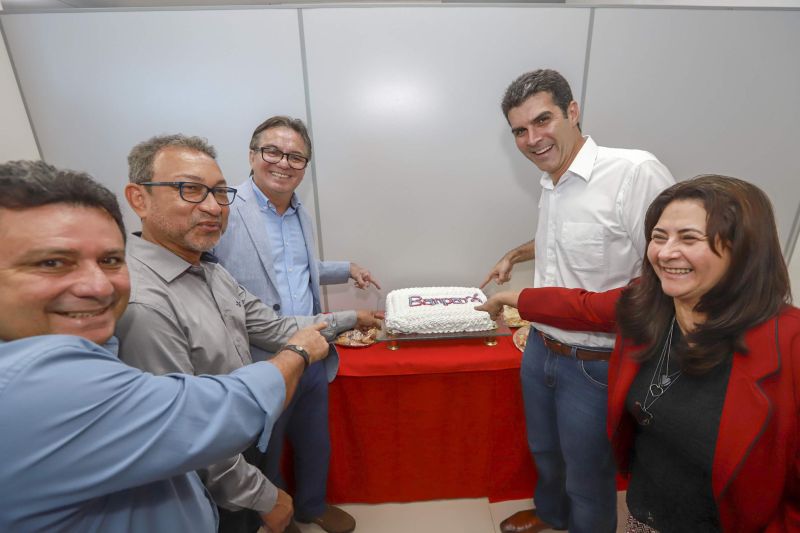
[581, 353]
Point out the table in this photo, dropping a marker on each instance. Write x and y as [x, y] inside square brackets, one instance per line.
[432, 420]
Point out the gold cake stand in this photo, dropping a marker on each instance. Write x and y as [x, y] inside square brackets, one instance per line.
[489, 336]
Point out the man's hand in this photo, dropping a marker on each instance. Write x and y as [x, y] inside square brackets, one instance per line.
[280, 516]
[494, 305]
[312, 340]
[501, 272]
[368, 319]
[362, 277]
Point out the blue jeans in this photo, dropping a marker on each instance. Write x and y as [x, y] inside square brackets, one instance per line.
[565, 414]
[305, 424]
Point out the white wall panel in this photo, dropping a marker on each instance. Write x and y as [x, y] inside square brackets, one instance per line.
[16, 136]
[418, 175]
[98, 83]
[707, 91]
[794, 274]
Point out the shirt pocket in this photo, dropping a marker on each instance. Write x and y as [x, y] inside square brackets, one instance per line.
[583, 245]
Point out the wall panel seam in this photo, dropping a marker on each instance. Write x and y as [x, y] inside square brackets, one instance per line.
[586, 59]
[21, 92]
[794, 234]
[310, 125]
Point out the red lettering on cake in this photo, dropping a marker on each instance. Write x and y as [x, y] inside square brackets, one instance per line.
[416, 301]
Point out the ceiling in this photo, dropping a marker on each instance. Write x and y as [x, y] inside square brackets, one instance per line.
[33, 6]
[9, 6]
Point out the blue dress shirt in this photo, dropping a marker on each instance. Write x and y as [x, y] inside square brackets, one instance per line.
[90, 444]
[290, 258]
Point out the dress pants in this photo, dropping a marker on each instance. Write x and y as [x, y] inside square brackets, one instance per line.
[565, 401]
[305, 424]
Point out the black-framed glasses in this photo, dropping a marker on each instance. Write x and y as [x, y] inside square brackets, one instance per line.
[270, 154]
[195, 193]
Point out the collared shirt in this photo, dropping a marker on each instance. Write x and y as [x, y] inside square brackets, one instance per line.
[92, 445]
[196, 319]
[289, 254]
[590, 233]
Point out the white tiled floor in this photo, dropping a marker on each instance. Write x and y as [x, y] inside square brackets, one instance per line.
[442, 516]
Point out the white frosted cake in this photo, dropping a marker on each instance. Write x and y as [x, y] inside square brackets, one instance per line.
[436, 310]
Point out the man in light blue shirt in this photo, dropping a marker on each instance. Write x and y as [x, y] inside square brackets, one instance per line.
[269, 248]
[90, 444]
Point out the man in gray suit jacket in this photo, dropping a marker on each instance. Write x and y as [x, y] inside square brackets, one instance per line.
[269, 247]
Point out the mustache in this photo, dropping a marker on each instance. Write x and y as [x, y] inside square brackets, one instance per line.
[206, 220]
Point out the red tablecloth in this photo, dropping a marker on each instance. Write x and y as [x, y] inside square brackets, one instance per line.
[434, 419]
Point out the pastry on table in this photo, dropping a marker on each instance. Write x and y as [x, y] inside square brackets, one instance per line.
[357, 338]
[511, 317]
[521, 337]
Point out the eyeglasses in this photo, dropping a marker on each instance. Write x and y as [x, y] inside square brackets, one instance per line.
[270, 154]
[195, 193]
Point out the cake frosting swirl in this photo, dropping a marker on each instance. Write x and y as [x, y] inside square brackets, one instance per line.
[436, 310]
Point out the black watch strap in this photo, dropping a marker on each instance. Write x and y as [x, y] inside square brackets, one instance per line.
[299, 350]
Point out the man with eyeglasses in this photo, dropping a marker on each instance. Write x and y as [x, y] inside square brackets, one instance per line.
[187, 314]
[270, 249]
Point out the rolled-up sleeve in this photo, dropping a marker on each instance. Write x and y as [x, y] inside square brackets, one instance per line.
[269, 331]
[333, 272]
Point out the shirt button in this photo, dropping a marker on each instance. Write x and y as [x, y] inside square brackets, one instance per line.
[290, 270]
[276, 307]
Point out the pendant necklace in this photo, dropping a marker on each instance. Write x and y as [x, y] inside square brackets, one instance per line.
[661, 381]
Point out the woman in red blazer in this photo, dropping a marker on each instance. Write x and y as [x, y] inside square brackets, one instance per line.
[704, 381]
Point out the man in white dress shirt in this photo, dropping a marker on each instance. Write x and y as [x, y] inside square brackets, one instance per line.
[590, 235]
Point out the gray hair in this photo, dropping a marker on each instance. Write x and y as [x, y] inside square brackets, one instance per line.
[281, 121]
[140, 160]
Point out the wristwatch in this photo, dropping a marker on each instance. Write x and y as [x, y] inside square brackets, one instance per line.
[299, 350]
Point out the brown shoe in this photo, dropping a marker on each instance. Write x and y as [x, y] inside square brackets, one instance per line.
[334, 520]
[523, 522]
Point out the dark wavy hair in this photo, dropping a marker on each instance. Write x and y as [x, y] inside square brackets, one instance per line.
[28, 184]
[537, 81]
[755, 287]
